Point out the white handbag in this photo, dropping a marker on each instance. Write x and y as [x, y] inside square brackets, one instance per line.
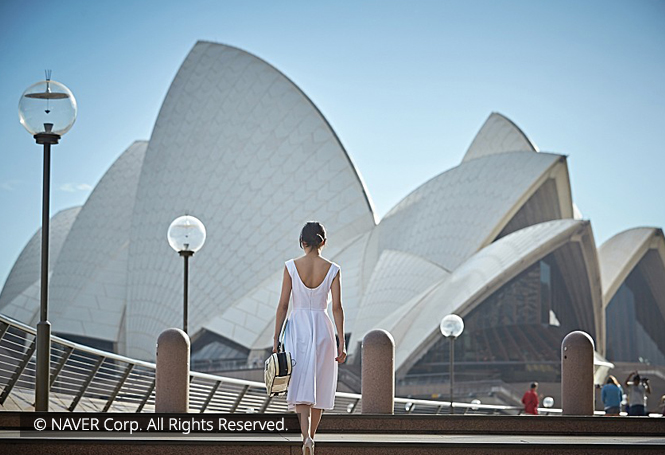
[277, 373]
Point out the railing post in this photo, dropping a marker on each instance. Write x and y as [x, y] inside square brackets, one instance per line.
[4, 329]
[86, 384]
[265, 404]
[61, 363]
[577, 391]
[172, 372]
[212, 393]
[378, 373]
[239, 399]
[121, 382]
[18, 372]
[355, 404]
[146, 397]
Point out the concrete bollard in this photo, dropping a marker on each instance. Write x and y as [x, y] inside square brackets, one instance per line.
[577, 387]
[378, 373]
[172, 373]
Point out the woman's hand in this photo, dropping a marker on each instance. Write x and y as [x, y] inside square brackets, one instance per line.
[274, 345]
[342, 353]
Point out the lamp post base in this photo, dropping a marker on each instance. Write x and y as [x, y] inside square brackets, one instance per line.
[43, 379]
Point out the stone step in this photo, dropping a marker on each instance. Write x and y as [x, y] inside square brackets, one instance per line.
[327, 444]
[356, 434]
[499, 425]
[436, 424]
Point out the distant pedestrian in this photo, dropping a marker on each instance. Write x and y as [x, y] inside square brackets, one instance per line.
[530, 399]
[612, 395]
[637, 389]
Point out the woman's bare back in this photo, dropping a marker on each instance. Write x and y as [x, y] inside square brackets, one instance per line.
[312, 270]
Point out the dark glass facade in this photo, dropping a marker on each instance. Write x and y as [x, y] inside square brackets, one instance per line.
[514, 335]
[212, 353]
[635, 325]
[97, 343]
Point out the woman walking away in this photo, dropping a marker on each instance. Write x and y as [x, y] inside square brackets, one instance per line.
[309, 335]
[612, 395]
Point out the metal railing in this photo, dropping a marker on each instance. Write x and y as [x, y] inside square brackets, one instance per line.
[87, 379]
[218, 365]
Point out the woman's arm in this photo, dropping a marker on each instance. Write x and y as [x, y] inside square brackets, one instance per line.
[338, 315]
[282, 307]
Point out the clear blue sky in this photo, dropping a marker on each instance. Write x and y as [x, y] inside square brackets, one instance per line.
[405, 84]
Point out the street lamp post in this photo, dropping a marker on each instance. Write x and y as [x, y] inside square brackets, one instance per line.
[452, 327]
[186, 235]
[47, 110]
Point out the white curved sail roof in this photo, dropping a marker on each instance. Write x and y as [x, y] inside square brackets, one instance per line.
[449, 218]
[619, 255]
[398, 277]
[25, 306]
[88, 287]
[251, 316]
[21, 293]
[498, 135]
[239, 146]
[476, 279]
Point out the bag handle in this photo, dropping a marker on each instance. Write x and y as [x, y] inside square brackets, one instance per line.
[280, 340]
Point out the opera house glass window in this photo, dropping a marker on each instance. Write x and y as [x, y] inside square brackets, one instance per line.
[644, 339]
[516, 331]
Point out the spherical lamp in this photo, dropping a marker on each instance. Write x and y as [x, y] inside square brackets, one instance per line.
[452, 327]
[47, 110]
[47, 107]
[186, 235]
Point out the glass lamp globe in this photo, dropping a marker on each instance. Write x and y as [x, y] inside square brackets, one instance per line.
[186, 233]
[47, 107]
[548, 402]
[452, 326]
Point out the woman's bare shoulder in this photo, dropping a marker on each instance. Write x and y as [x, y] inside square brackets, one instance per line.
[320, 260]
[326, 261]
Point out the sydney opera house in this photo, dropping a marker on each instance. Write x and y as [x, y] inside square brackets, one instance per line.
[496, 240]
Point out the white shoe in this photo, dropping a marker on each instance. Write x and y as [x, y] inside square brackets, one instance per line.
[308, 447]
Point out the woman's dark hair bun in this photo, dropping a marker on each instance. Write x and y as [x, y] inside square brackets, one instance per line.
[313, 234]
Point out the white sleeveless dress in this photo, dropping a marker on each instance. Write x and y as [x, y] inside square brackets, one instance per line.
[310, 338]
